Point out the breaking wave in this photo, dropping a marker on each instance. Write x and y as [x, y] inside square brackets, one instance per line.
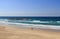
[33, 23]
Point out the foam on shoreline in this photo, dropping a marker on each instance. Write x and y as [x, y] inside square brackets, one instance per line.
[23, 25]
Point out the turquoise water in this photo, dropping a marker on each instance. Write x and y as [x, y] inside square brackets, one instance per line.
[33, 20]
[36, 22]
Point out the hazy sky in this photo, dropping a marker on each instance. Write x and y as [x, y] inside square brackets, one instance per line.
[29, 7]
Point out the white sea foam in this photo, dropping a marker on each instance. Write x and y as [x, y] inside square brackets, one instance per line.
[37, 26]
[38, 21]
[35, 21]
[30, 25]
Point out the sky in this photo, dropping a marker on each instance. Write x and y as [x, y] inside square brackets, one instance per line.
[29, 7]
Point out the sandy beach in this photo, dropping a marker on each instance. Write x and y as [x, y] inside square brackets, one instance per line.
[17, 33]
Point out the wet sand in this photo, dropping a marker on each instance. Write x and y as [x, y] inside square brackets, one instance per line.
[19, 33]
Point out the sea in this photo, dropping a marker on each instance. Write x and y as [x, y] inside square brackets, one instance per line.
[36, 22]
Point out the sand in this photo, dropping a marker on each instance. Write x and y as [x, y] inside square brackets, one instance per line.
[17, 33]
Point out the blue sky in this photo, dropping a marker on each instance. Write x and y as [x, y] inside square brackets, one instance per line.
[29, 7]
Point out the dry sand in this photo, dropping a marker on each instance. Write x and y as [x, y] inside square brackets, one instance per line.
[16, 33]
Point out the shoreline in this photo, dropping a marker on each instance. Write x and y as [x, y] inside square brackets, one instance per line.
[32, 28]
[7, 32]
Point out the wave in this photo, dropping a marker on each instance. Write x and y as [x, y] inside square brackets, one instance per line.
[18, 22]
[35, 25]
[38, 21]
[30, 22]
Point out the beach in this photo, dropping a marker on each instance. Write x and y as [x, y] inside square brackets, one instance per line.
[7, 32]
[29, 19]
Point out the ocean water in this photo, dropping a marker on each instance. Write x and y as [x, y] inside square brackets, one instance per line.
[39, 22]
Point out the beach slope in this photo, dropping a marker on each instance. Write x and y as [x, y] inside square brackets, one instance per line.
[16, 33]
